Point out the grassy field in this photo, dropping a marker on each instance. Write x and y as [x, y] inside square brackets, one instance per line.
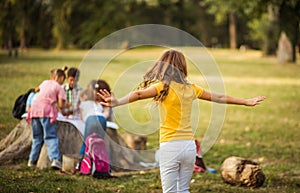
[268, 133]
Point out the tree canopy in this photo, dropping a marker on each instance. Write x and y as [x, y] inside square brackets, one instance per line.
[216, 23]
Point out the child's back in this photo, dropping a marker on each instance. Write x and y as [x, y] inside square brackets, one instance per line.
[44, 104]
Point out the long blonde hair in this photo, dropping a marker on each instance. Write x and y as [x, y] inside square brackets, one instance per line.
[170, 67]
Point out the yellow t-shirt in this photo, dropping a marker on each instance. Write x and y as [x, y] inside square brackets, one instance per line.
[175, 111]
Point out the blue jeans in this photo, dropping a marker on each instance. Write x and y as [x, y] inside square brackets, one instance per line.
[93, 124]
[43, 130]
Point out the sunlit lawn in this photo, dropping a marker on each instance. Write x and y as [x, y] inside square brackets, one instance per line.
[268, 133]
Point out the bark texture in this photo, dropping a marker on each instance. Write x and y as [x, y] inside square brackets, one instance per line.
[17, 145]
[242, 172]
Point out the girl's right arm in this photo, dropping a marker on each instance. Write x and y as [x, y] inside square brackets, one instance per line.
[112, 101]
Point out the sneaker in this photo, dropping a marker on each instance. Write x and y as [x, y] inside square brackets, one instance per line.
[77, 167]
[56, 164]
[31, 163]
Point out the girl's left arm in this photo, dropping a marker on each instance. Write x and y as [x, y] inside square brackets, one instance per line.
[219, 98]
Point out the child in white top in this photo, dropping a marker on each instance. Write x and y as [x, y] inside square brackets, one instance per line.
[92, 112]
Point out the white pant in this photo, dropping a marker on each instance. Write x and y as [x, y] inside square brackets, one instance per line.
[176, 163]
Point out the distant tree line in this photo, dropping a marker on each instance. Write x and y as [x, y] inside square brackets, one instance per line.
[80, 24]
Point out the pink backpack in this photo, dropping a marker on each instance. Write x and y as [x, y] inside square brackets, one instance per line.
[96, 160]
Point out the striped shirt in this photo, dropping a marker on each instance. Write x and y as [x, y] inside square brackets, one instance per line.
[72, 95]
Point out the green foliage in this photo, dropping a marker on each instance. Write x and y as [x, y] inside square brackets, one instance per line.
[95, 24]
[61, 12]
[74, 23]
[221, 9]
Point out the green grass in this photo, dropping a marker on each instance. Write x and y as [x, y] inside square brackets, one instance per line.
[268, 133]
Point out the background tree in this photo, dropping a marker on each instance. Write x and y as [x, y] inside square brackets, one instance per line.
[61, 11]
[24, 12]
[278, 16]
[94, 20]
[74, 23]
[9, 23]
[224, 11]
[289, 10]
[41, 32]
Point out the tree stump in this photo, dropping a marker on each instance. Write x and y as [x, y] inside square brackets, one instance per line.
[137, 142]
[17, 145]
[70, 161]
[70, 141]
[285, 49]
[242, 172]
[123, 157]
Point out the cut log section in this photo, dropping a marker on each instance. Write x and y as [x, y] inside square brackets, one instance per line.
[242, 172]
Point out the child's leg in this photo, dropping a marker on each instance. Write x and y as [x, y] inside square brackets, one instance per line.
[187, 162]
[81, 152]
[169, 167]
[37, 139]
[95, 124]
[51, 139]
[87, 132]
[199, 161]
[176, 162]
[102, 128]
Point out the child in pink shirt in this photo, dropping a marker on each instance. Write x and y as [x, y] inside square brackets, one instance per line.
[43, 114]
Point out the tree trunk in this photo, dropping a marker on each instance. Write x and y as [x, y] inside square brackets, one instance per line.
[289, 12]
[70, 141]
[271, 33]
[24, 24]
[17, 145]
[232, 30]
[295, 42]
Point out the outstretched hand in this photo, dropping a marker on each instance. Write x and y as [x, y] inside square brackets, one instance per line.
[255, 101]
[109, 99]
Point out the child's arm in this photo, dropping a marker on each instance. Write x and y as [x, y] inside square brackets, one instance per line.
[61, 103]
[80, 114]
[106, 111]
[112, 101]
[219, 98]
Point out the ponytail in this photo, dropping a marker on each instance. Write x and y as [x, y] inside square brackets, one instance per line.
[65, 68]
[58, 72]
